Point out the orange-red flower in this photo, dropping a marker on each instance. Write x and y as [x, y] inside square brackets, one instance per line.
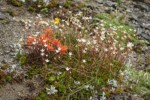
[50, 48]
[48, 32]
[44, 39]
[31, 39]
[56, 42]
[63, 49]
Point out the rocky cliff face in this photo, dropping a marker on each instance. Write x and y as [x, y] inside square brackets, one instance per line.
[148, 1]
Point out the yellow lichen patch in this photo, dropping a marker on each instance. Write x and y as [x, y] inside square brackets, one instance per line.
[5, 67]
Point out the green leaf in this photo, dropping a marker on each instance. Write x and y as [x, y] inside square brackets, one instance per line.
[8, 78]
[51, 78]
[23, 59]
[41, 96]
[60, 76]
[62, 88]
[18, 55]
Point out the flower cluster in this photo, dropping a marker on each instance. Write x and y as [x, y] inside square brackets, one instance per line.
[45, 45]
[45, 1]
[51, 90]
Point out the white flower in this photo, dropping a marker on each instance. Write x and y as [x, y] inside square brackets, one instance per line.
[83, 28]
[130, 29]
[105, 49]
[84, 51]
[22, 0]
[42, 54]
[14, 66]
[135, 30]
[90, 17]
[42, 50]
[77, 82]
[58, 73]
[46, 1]
[70, 54]
[60, 6]
[103, 97]
[45, 45]
[38, 15]
[91, 98]
[85, 18]
[83, 40]
[47, 60]
[44, 40]
[37, 33]
[43, 22]
[96, 49]
[102, 24]
[121, 73]
[88, 43]
[39, 5]
[129, 45]
[86, 87]
[94, 41]
[79, 40]
[111, 48]
[113, 82]
[51, 90]
[121, 48]
[58, 50]
[91, 87]
[67, 23]
[79, 13]
[33, 43]
[113, 52]
[102, 37]
[84, 61]
[67, 68]
[20, 41]
[112, 89]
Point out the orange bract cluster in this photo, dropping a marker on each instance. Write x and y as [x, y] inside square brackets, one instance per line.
[46, 42]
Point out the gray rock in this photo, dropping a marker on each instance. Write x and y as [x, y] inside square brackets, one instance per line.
[146, 25]
[120, 97]
[146, 36]
[147, 31]
[142, 6]
[7, 52]
[99, 1]
[1, 53]
[147, 1]
[135, 17]
[136, 97]
[4, 61]
[110, 3]
[2, 16]
[12, 54]
[139, 31]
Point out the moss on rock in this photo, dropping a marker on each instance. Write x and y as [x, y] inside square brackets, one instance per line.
[16, 3]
